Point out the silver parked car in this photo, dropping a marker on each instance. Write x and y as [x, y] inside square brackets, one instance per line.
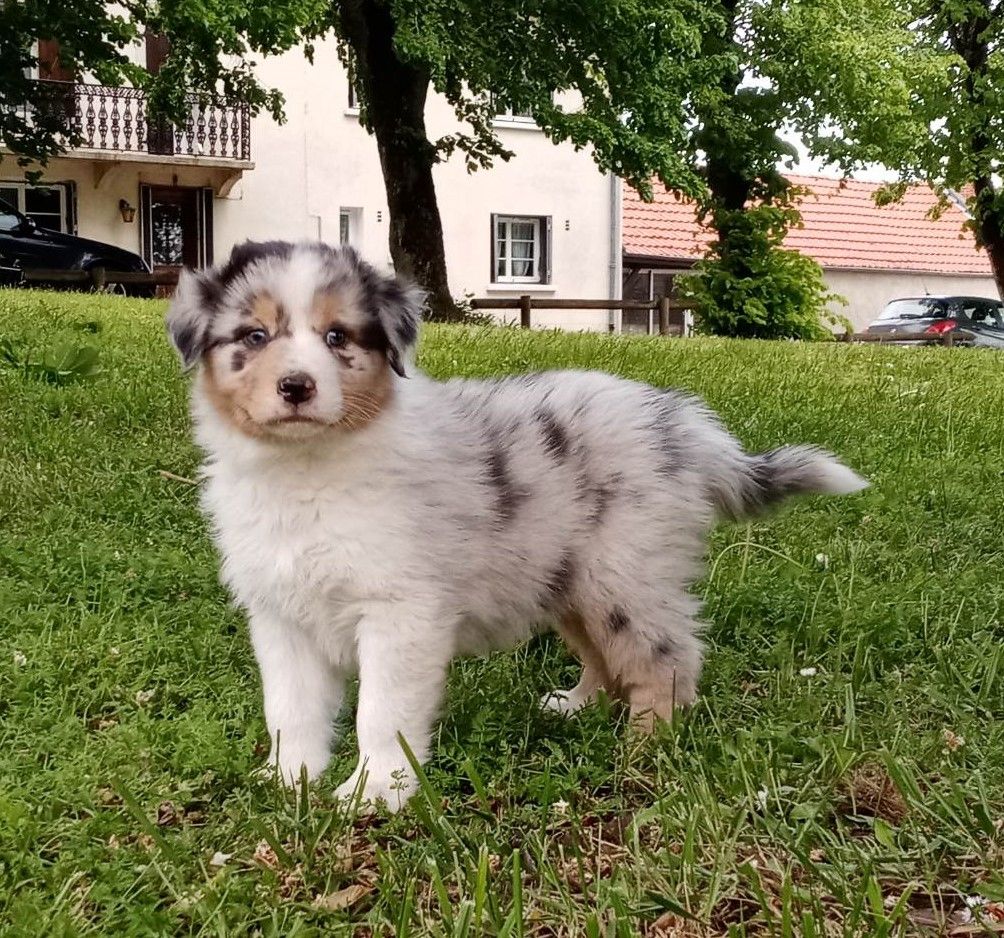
[972, 320]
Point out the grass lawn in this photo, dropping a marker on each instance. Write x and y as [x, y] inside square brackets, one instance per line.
[843, 772]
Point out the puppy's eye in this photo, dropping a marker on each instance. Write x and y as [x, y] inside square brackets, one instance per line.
[335, 338]
[255, 338]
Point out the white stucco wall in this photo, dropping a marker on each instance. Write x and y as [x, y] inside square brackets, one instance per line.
[868, 291]
[321, 161]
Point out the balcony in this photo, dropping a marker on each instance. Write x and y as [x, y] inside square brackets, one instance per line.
[113, 127]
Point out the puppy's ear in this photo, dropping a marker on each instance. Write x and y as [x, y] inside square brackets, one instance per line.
[399, 309]
[191, 312]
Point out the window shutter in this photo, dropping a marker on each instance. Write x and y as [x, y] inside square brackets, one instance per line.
[545, 248]
[146, 223]
[206, 227]
[50, 68]
[157, 48]
[71, 206]
[493, 249]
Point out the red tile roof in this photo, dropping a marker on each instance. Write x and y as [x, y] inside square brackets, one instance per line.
[843, 228]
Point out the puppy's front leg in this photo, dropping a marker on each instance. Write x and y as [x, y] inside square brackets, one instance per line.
[403, 661]
[302, 692]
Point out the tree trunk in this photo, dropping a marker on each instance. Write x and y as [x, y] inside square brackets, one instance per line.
[394, 94]
[968, 39]
[990, 229]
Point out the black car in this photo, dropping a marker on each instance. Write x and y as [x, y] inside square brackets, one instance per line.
[973, 320]
[24, 246]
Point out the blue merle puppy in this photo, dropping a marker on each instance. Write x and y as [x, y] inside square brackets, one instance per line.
[375, 523]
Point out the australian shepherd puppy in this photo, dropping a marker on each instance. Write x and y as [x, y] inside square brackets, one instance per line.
[375, 523]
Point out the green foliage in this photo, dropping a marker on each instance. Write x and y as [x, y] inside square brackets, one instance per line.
[749, 286]
[924, 95]
[632, 66]
[65, 362]
[130, 711]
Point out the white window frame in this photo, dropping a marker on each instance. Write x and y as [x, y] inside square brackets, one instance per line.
[19, 204]
[541, 268]
[508, 117]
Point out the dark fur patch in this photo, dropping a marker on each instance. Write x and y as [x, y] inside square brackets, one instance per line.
[507, 496]
[346, 360]
[664, 648]
[186, 339]
[560, 579]
[210, 292]
[670, 439]
[238, 360]
[617, 620]
[371, 337]
[245, 255]
[555, 438]
[599, 495]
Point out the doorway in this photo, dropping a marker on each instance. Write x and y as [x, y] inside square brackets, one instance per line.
[177, 223]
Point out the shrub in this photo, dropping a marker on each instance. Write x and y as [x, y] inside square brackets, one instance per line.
[749, 286]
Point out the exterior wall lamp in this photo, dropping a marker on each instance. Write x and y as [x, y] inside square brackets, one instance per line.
[128, 212]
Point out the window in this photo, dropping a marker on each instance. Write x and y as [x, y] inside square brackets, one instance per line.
[50, 64]
[158, 48]
[44, 205]
[353, 100]
[8, 220]
[985, 314]
[517, 117]
[508, 115]
[641, 284]
[350, 226]
[520, 248]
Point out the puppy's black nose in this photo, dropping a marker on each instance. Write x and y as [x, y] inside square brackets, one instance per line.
[297, 387]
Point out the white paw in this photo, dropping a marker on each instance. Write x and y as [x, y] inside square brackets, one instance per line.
[291, 760]
[392, 788]
[566, 702]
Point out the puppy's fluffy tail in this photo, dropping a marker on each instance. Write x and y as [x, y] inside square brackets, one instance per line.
[764, 479]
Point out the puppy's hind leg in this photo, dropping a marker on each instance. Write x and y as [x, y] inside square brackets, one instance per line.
[653, 653]
[594, 677]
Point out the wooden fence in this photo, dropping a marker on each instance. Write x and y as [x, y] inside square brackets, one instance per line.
[98, 278]
[527, 304]
[947, 339]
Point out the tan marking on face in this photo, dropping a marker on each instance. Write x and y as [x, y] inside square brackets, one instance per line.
[335, 308]
[234, 393]
[366, 385]
[364, 375]
[269, 313]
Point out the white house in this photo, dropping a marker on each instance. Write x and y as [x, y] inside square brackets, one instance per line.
[544, 223]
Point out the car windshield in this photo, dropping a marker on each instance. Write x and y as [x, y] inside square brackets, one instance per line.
[9, 217]
[914, 309]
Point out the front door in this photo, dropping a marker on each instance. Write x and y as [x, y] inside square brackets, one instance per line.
[177, 226]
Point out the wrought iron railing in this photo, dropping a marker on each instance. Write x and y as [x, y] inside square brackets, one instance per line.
[116, 119]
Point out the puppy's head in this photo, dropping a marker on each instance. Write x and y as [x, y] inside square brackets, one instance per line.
[294, 340]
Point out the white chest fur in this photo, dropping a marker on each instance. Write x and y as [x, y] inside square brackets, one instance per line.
[308, 549]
